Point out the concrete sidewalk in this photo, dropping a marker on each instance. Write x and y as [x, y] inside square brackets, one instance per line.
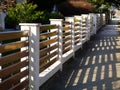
[97, 66]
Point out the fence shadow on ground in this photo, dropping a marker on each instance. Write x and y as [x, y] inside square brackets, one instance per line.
[99, 66]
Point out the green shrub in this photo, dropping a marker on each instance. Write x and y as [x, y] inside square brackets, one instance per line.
[48, 15]
[22, 13]
[56, 15]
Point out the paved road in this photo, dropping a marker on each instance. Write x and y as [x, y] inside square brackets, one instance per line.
[97, 67]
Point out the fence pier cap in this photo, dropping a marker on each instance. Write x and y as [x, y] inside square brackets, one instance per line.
[70, 19]
[29, 24]
[56, 21]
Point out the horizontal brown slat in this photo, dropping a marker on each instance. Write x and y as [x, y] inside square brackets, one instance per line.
[66, 23]
[47, 35]
[66, 28]
[13, 46]
[78, 37]
[66, 50]
[44, 59]
[48, 27]
[76, 29]
[77, 24]
[13, 57]
[66, 45]
[48, 64]
[7, 83]
[84, 33]
[84, 36]
[66, 39]
[13, 35]
[77, 41]
[48, 42]
[77, 33]
[66, 33]
[46, 50]
[21, 85]
[11, 69]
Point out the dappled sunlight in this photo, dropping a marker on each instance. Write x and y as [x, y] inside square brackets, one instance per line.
[77, 77]
[86, 75]
[100, 68]
[116, 85]
[118, 70]
[69, 79]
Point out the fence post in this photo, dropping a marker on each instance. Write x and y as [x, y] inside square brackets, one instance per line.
[88, 27]
[101, 19]
[104, 19]
[71, 20]
[92, 24]
[59, 22]
[98, 21]
[95, 23]
[33, 54]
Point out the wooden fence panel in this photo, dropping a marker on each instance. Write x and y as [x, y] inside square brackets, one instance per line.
[11, 74]
[13, 35]
[29, 53]
[48, 46]
[67, 38]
